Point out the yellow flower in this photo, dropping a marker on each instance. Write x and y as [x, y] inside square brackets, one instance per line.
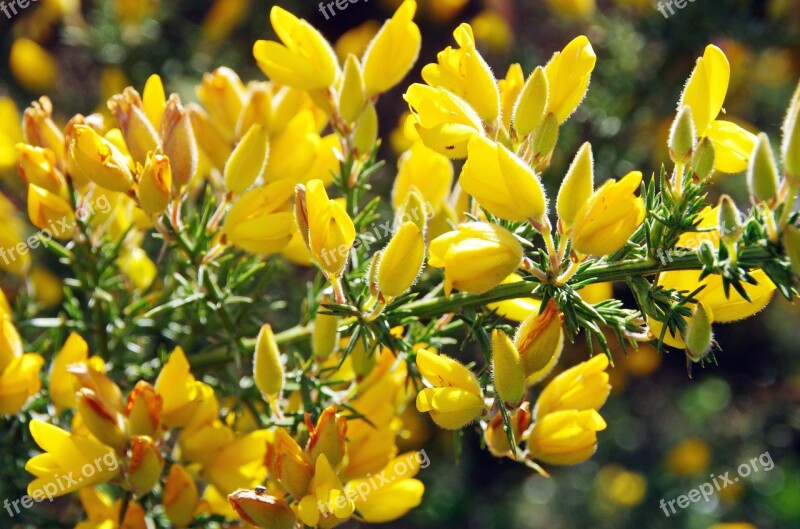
[19, 372]
[606, 222]
[180, 496]
[178, 389]
[155, 185]
[501, 182]
[426, 170]
[62, 385]
[444, 121]
[566, 437]
[295, 150]
[143, 411]
[261, 220]
[39, 166]
[32, 66]
[99, 160]
[582, 387]
[140, 136]
[67, 454]
[465, 73]
[137, 267]
[690, 457]
[40, 130]
[10, 133]
[223, 17]
[393, 50]
[146, 464]
[248, 160]
[389, 501]
[50, 212]
[304, 60]
[621, 486]
[572, 8]
[330, 229]
[325, 496]
[721, 309]
[401, 260]
[289, 464]
[476, 257]
[495, 434]
[103, 512]
[455, 398]
[704, 94]
[568, 75]
[48, 287]
[154, 100]
[492, 30]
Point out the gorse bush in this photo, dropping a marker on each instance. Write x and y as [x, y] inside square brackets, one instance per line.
[160, 394]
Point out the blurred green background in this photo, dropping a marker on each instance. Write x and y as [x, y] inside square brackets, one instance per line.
[667, 433]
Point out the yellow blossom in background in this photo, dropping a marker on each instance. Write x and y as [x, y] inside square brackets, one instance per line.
[355, 41]
[492, 30]
[19, 372]
[10, 132]
[621, 486]
[32, 66]
[223, 17]
[456, 398]
[572, 8]
[690, 457]
[103, 512]
[425, 170]
[705, 94]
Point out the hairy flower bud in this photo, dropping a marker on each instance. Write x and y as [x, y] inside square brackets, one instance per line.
[577, 187]
[155, 185]
[682, 136]
[259, 509]
[531, 103]
[762, 171]
[267, 366]
[730, 220]
[401, 261]
[248, 160]
[140, 136]
[539, 340]
[509, 377]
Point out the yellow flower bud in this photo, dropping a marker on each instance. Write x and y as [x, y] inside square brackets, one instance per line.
[509, 378]
[501, 182]
[267, 366]
[606, 222]
[790, 148]
[426, 170]
[39, 129]
[145, 465]
[762, 172]
[730, 220]
[140, 136]
[509, 89]
[415, 210]
[539, 340]
[325, 335]
[577, 187]
[261, 220]
[699, 336]
[352, 96]
[364, 356]
[476, 257]
[99, 160]
[682, 136]
[366, 133]
[248, 160]
[330, 230]
[154, 100]
[465, 73]
[37, 166]
[568, 75]
[495, 434]
[401, 261]
[101, 418]
[155, 185]
[703, 159]
[328, 437]
[545, 138]
[531, 103]
[32, 66]
[261, 510]
[143, 410]
[50, 212]
[257, 110]
[791, 245]
[304, 60]
[180, 496]
[567, 437]
[582, 387]
[456, 398]
[178, 142]
[393, 50]
[445, 122]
